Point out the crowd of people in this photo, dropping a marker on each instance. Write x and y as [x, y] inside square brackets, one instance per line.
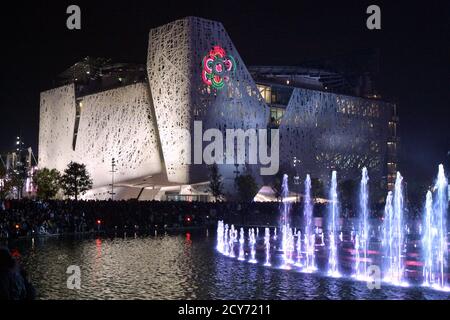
[30, 218]
[27, 218]
[21, 218]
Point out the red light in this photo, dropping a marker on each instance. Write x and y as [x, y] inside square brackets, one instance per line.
[15, 253]
[188, 219]
[414, 263]
[99, 221]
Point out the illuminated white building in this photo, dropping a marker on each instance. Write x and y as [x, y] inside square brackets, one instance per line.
[144, 119]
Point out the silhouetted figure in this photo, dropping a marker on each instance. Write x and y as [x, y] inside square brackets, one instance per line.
[13, 282]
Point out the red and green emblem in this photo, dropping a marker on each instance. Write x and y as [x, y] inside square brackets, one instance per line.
[217, 67]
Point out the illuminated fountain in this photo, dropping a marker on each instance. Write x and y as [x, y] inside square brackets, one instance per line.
[233, 236]
[287, 245]
[322, 239]
[226, 245]
[434, 242]
[357, 256]
[333, 216]
[290, 246]
[284, 202]
[310, 236]
[393, 236]
[252, 240]
[296, 248]
[267, 246]
[362, 240]
[220, 237]
[286, 231]
[241, 245]
[299, 249]
[284, 245]
[428, 241]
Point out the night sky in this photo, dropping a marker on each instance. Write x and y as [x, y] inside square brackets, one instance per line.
[414, 44]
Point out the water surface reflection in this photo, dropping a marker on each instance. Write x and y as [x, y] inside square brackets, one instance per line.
[184, 266]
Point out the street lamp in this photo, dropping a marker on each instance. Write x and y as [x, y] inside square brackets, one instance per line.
[113, 170]
[296, 164]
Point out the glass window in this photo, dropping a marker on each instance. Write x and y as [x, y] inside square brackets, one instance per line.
[276, 114]
[266, 92]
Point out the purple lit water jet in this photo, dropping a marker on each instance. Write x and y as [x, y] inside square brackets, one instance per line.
[310, 236]
[393, 235]
[333, 216]
[362, 240]
[434, 241]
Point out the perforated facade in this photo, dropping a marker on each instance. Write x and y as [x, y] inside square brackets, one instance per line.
[148, 126]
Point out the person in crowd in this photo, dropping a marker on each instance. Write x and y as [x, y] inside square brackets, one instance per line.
[28, 218]
[14, 284]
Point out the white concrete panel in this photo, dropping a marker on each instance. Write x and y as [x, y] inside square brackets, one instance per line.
[180, 96]
[56, 125]
[327, 131]
[118, 124]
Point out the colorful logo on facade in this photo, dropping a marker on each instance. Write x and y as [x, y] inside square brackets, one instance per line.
[217, 67]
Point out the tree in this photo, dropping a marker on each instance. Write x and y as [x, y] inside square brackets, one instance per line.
[2, 172]
[5, 188]
[48, 183]
[215, 182]
[247, 187]
[75, 180]
[17, 178]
